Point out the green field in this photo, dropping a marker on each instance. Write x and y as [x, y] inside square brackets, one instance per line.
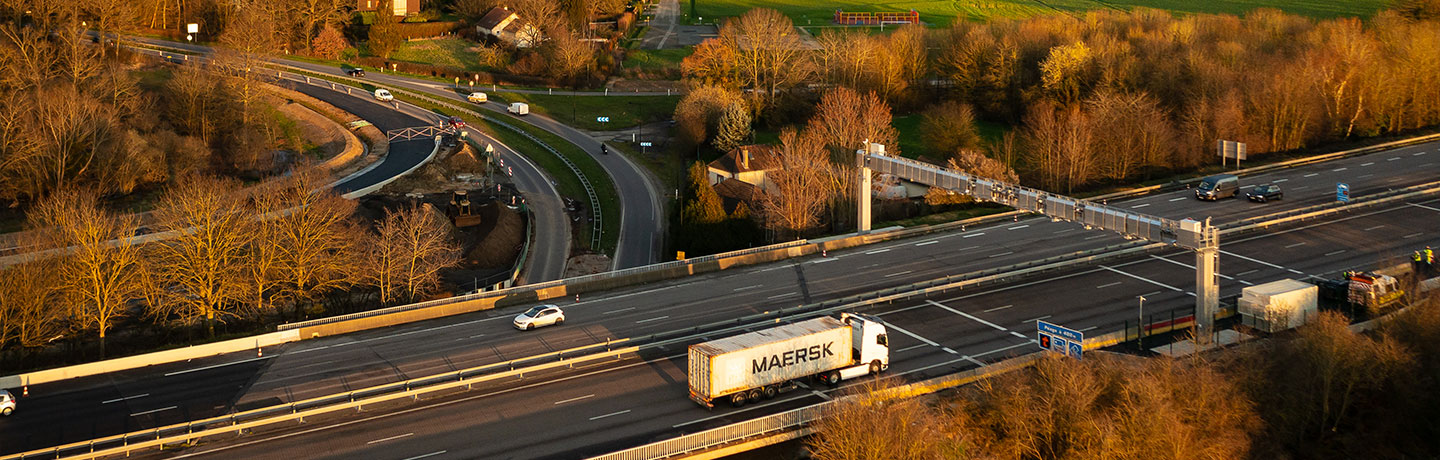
[445, 52]
[940, 13]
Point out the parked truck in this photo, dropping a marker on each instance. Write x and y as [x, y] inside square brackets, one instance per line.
[749, 367]
[1277, 306]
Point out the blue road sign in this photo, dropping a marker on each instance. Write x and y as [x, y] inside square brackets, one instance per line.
[1061, 339]
[1342, 192]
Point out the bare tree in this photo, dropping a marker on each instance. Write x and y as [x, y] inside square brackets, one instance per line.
[873, 424]
[796, 202]
[98, 273]
[32, 310]
[248, 37]
[312, 236]
[203, 264]
[407, 252]
[568, 57]
[767, 50]
[712, 63]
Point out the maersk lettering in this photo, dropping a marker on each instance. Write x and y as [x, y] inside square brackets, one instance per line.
[796, 356]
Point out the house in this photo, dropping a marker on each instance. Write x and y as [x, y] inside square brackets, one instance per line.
[507, 26]
[401, 7]
[746, 164]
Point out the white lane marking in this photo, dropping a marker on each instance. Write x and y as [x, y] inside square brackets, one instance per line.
[948, 350]
[612, 414]
[1392, 159]
[972, 235]
[1033, 320]
[823, 260]
[1412, 235]
[1102, 235]
[1276, 181]
[1089, 328]
[1068, 230]
[1362, 176]
[417, 331]
[912, 347]
[967, 315]
[1300, 188]
[821, 395]
[658, 318]
[618, 311]
[1149, 294]
[198, 369]
[898, 273]
[912, 334]
[591, 395]
[1103, 286]
[1288, 246]
[1138, 206]
[746, 287]
[1261, 262]
[999, 308]
[1182, 264]
[877, 251]
[1147, 280]
[137, 414]
[927, 243]
[1246, 272]
[1416, 154]
[1017, 227]
[787, 294]
[1181, 198]
[1338, 169]
[125, 398]
[1367, 164]
[1312, 174]
[1425, 207]
[1328, 254]
[992, 256]
[392, 438]
[1375, 228]
[973, 360]
[432, 454]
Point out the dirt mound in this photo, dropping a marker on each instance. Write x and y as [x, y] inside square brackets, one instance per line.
[587, 264]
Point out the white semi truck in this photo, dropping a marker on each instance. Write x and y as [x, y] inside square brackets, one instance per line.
[760, 364]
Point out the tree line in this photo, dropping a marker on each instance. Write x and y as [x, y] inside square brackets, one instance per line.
[1160, 88]
[1321, 392]
[221, 252]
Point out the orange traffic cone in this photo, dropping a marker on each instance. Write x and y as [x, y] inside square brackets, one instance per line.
[25, 392]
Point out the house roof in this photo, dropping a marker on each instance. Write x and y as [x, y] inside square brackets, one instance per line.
[494, 17]
[737, 190]
[761, 158]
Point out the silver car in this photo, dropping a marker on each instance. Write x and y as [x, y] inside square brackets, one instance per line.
[539, 316]
[7, 403]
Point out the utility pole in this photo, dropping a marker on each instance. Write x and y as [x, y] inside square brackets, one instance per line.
[1140, 337]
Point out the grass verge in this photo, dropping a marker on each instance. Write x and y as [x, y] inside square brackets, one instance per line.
[624, 112]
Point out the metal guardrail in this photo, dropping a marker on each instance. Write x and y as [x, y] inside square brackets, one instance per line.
[538, 286]
[565, 358]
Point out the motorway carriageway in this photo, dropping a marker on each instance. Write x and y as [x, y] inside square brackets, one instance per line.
[76, 410]
[610, 406]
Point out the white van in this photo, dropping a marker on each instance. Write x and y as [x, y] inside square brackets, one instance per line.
[384, 95]
[520, 108]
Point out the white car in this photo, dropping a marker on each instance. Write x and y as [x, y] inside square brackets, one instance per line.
[7, 403]
[478, 98]
[384, 95]
[539, 316]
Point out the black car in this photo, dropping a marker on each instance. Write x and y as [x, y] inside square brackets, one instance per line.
[1263, 193]
[355, 72]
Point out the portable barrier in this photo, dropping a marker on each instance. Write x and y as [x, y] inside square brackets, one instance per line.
[873, 18]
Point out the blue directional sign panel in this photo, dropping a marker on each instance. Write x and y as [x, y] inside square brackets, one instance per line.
[1342, 192]
[1060, 339]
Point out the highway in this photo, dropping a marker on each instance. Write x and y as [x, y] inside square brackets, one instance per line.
[77, 408]
[619, 404]
[642, 225]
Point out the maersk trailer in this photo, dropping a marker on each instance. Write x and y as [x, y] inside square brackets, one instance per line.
[760, 364]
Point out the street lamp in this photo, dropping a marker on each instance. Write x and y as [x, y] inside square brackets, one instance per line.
[1140, 337]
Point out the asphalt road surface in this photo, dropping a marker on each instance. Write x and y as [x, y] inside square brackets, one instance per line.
[613, 405]
[76, 409]
[642, 224]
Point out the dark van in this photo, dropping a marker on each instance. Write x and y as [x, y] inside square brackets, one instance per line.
[1218, 186]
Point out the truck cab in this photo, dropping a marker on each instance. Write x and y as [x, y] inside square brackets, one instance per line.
[871, 345]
